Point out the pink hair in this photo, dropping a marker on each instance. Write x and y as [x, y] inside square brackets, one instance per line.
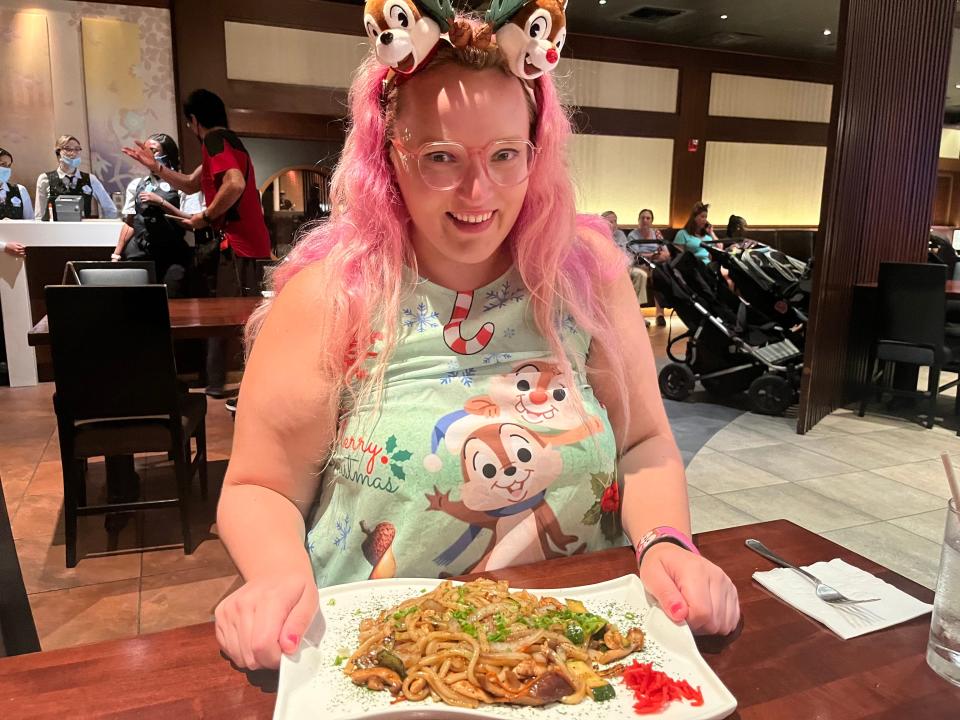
[564, 259]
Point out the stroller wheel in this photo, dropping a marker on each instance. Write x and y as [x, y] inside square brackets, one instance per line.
[676, 381]
[770, 394]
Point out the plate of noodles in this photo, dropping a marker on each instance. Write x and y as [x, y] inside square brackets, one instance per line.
[407, 648]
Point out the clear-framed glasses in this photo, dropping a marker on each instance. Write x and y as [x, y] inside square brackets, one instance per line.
[443, 165]
[71, 150]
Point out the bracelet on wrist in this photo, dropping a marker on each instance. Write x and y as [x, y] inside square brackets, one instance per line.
[664, 533]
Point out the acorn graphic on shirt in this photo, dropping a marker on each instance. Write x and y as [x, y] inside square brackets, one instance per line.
[378, 549]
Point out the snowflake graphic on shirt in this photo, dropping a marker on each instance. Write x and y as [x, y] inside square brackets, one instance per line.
[422, 318]
[502, 296]
[455, 373]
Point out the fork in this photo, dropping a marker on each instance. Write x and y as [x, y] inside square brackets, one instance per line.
[824, 592]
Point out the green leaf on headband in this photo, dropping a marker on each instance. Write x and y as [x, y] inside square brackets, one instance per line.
[440, 10]
[501, 11]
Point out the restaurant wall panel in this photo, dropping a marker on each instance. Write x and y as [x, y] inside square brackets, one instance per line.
[766, 184]
[26, 86]
[82, 104]
[617, 85]
[769, 98]
[881, 167]
[622, 174]
[950, 143]
[291, 56]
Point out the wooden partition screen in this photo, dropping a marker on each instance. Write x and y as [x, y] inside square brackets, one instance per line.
[880, 180]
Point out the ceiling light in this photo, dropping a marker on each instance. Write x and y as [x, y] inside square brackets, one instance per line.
[603, 2]
[723, 17]
[957, 86]
[828, 31]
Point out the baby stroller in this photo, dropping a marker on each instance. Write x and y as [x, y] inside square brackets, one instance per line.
[730, 346]
[774, 285]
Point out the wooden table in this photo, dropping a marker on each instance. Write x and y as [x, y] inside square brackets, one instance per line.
[190, 318]
[783, 665]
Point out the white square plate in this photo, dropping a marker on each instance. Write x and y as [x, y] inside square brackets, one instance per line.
[313, 686]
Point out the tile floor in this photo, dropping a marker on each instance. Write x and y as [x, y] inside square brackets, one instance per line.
[874, 485]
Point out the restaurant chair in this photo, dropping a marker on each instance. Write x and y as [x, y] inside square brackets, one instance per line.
[18, 633]
[911, 318]
[102, 272]
[117, 394]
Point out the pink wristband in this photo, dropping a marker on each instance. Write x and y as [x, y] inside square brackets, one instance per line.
[664, 533]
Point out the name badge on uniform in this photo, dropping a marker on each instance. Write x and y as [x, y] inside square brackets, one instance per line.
[87, 189]
[15, 201]
[165, 186]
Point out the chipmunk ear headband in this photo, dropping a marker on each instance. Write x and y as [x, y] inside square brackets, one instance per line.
[405, 33]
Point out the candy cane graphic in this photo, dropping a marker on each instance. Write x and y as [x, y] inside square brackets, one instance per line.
[451, 331]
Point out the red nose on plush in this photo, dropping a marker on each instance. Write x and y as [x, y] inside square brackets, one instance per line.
[552, 55]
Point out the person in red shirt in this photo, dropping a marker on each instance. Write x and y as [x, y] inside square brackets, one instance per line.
[233, 208]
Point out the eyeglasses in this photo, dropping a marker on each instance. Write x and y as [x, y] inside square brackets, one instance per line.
[70, 150]
[444, 165]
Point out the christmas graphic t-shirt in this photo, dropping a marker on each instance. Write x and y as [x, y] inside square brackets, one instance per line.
[477, 457]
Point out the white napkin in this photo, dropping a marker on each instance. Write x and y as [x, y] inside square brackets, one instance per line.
[847, 621]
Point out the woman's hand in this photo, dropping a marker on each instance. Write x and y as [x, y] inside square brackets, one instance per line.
[690, 587]
[264, 618]
[151, 198]
[16, 249]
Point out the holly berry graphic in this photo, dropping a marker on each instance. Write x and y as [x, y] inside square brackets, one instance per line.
[378, 549]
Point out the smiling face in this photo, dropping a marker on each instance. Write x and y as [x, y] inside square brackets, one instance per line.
[466, 225]
[504, 465]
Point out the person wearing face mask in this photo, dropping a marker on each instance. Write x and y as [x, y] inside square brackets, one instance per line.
[14, 202]
[149, 231]
[69, 179]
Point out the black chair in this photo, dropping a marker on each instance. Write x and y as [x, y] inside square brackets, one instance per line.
[117, 394]
[18, 633]
[911, 315]
[100, 272]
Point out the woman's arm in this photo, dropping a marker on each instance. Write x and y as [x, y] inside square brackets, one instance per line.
[655, 489]
[286, 420]
[126, 232]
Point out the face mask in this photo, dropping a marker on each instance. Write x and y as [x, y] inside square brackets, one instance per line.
[72, 163]
[5, 174]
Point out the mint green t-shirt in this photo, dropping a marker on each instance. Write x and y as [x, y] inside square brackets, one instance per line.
[477, 458]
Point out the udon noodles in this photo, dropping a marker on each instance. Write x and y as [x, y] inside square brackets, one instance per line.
[480, 643]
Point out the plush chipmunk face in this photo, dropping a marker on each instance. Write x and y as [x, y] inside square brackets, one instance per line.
[402, 36]
[534, 37]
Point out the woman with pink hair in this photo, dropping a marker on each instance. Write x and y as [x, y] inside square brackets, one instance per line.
[453, 374]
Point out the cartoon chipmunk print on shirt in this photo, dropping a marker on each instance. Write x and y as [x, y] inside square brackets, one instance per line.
[507, 467]
[507, 470]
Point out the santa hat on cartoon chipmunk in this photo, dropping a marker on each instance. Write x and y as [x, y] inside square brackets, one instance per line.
[405, 33]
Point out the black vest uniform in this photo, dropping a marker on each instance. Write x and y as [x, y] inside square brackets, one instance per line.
[156, 237]
[58, 187]
[11, 209]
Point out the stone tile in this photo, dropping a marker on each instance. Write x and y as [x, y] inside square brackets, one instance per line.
[210, 554]
[791, 462]
[708, 513]
[17, 472]
[865, 451]
[925, 445]
[798, 504]
[47, 480]
[38, 516]
[90, 614]
[850, 422]
[692, 492]
[927, 476]
[928, 525]
[43, 565]
[718, 473]
[783, 429]
[182, 598]
[739, 437]
[892, 546]
[12, 493]
[879, 496]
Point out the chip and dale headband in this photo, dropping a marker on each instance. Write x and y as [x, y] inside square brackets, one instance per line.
[405, 33]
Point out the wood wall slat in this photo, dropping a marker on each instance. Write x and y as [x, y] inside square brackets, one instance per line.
[881, 175]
